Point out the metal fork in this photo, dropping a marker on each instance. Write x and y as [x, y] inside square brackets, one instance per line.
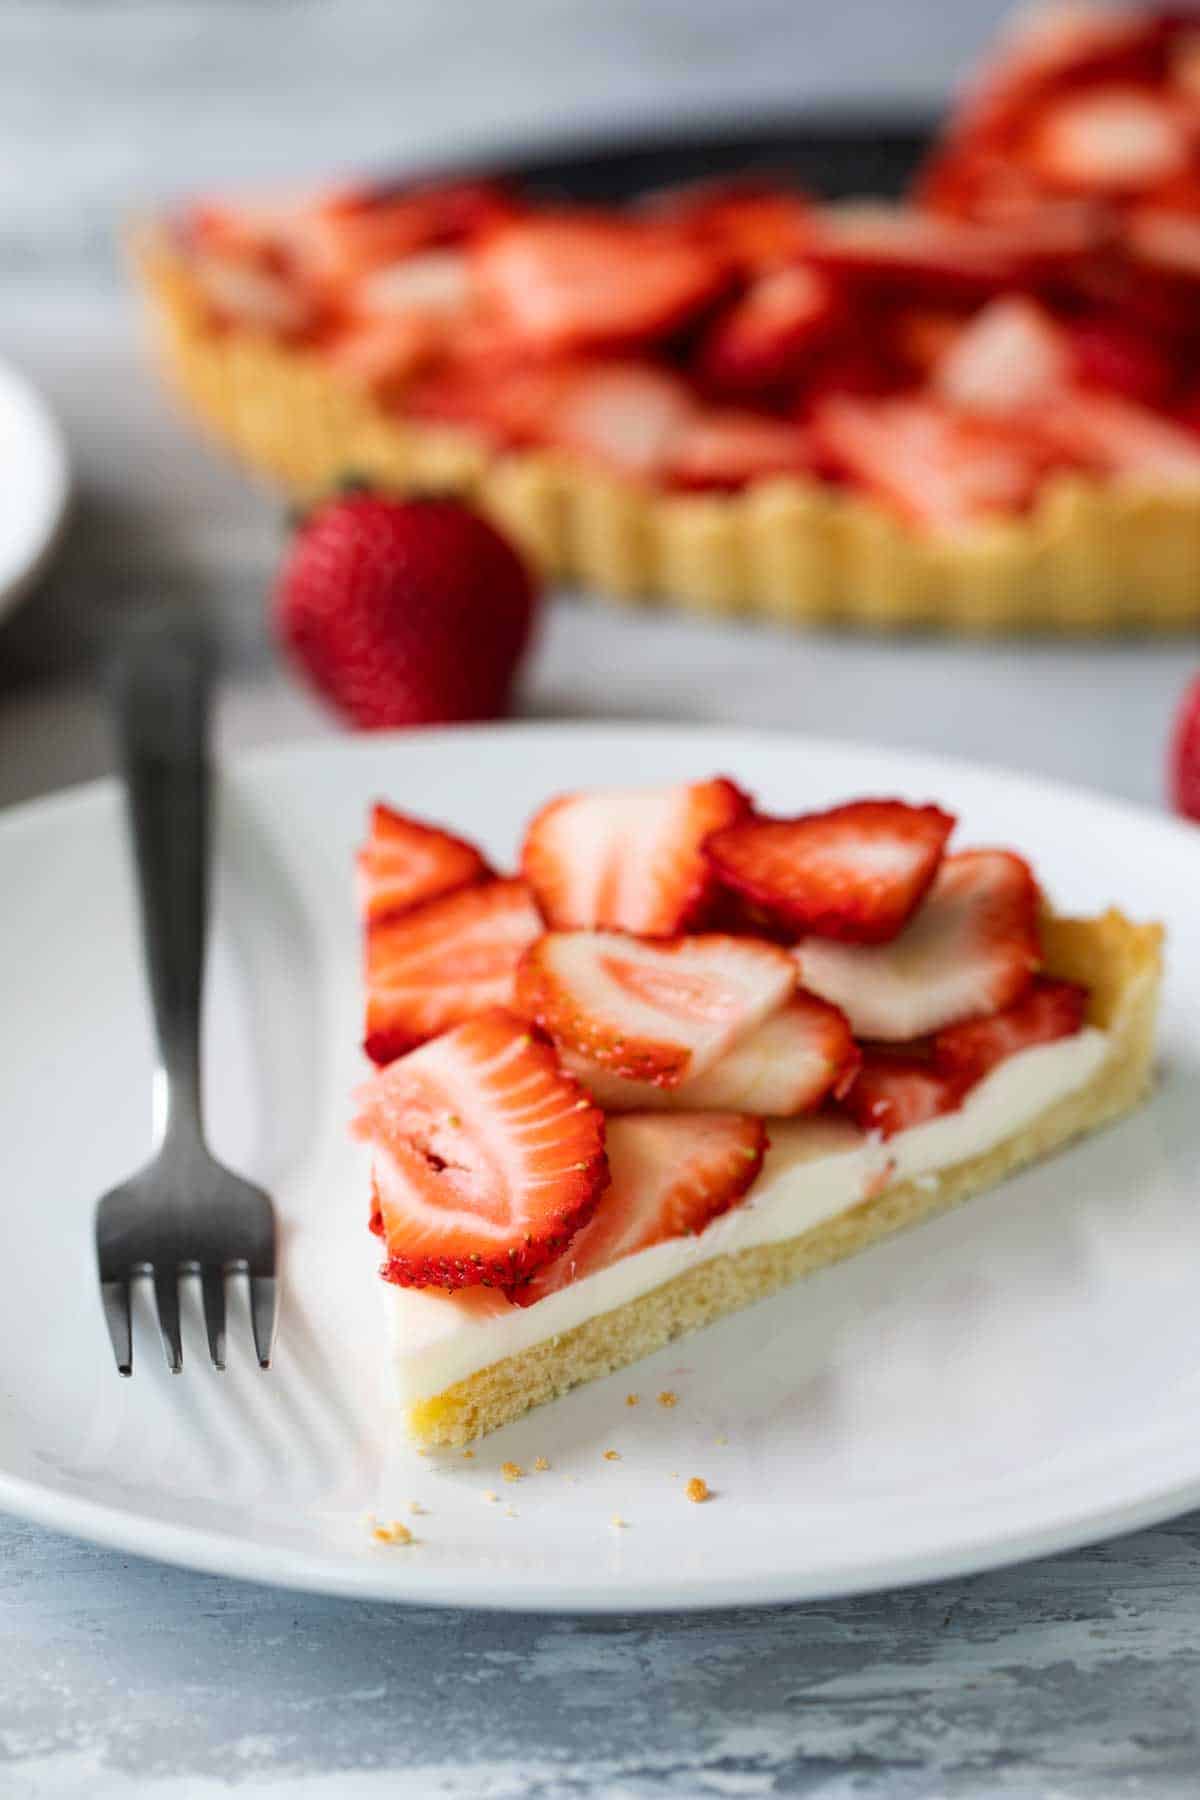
[183, 1213]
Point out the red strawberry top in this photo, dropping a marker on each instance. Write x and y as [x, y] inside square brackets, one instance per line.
[730, 333]
[578, 1065]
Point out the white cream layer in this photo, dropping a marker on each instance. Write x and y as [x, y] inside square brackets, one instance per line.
[815, 1169]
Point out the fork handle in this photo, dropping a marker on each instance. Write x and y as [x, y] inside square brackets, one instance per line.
[162, 688]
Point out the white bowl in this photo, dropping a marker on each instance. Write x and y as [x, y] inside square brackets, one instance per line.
[34, 485]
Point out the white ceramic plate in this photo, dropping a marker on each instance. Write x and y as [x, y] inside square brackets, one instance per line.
[34, 485]
[1018, 1377]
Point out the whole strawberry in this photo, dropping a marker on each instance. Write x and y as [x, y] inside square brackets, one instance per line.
[1184, 771]
[405, 612]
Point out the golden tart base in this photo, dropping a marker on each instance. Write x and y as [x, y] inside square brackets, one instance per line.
[1092, 557]
[1119, 961]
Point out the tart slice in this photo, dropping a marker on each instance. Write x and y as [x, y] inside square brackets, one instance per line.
[649, 1132]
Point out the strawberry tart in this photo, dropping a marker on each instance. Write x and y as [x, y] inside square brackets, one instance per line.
[978, 409]
[692, 1052]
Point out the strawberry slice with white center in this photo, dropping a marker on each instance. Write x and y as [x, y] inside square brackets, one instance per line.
[625, 415]
[1010, 357]
[628, 859]
[487, 1156]
[935, 468]
[786, 1065]
[1042, 48]
[671, 1176]
[437, 964]
[576, 280]
[255, 292]
[759, 342]
[1049, 1011]
[872, 243]
[896, 1090]
[856, 872]
[969, 950]
[1112, 141]
[656, 1010]
[723, 449]
[1124, 439]
[405, 862]
[436, 283]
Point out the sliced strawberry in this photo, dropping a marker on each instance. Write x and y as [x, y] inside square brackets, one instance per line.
[255, 290]
[487, 1158]
[405, 862]
[1050, 1010]
[1122, 359]
[1184, 61]
[624, 415]
[922, 336]
[872, 243]
[786, 1065]
[1123, 438]
[359, 230]
[657, 1010]
[722, 449]
[935, 468]
[862, 369]
[1167, 241]
[628, 859]
[574, 280]
[1112, 140]
[856, 872]
[760, 341]
[670, 1178]
[277, 230]
[969, 950]
[436, 965]
[1011, 357]
[384, 355]
[434, 284]
[896, 1090]
[516, 404]
[753, 225]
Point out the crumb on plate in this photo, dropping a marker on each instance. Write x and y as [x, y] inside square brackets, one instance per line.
[511, 1471]
[668, 1398]
[540, 1464]
[395, 1533]
[698, 1490]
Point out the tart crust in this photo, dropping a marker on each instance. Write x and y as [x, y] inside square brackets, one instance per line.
[1091, 557]
[1118, 960]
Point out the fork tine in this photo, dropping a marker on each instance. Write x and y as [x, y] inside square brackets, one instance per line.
[212, 1295]
[262, 1316]
[166, 1298]
[115, 1295]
